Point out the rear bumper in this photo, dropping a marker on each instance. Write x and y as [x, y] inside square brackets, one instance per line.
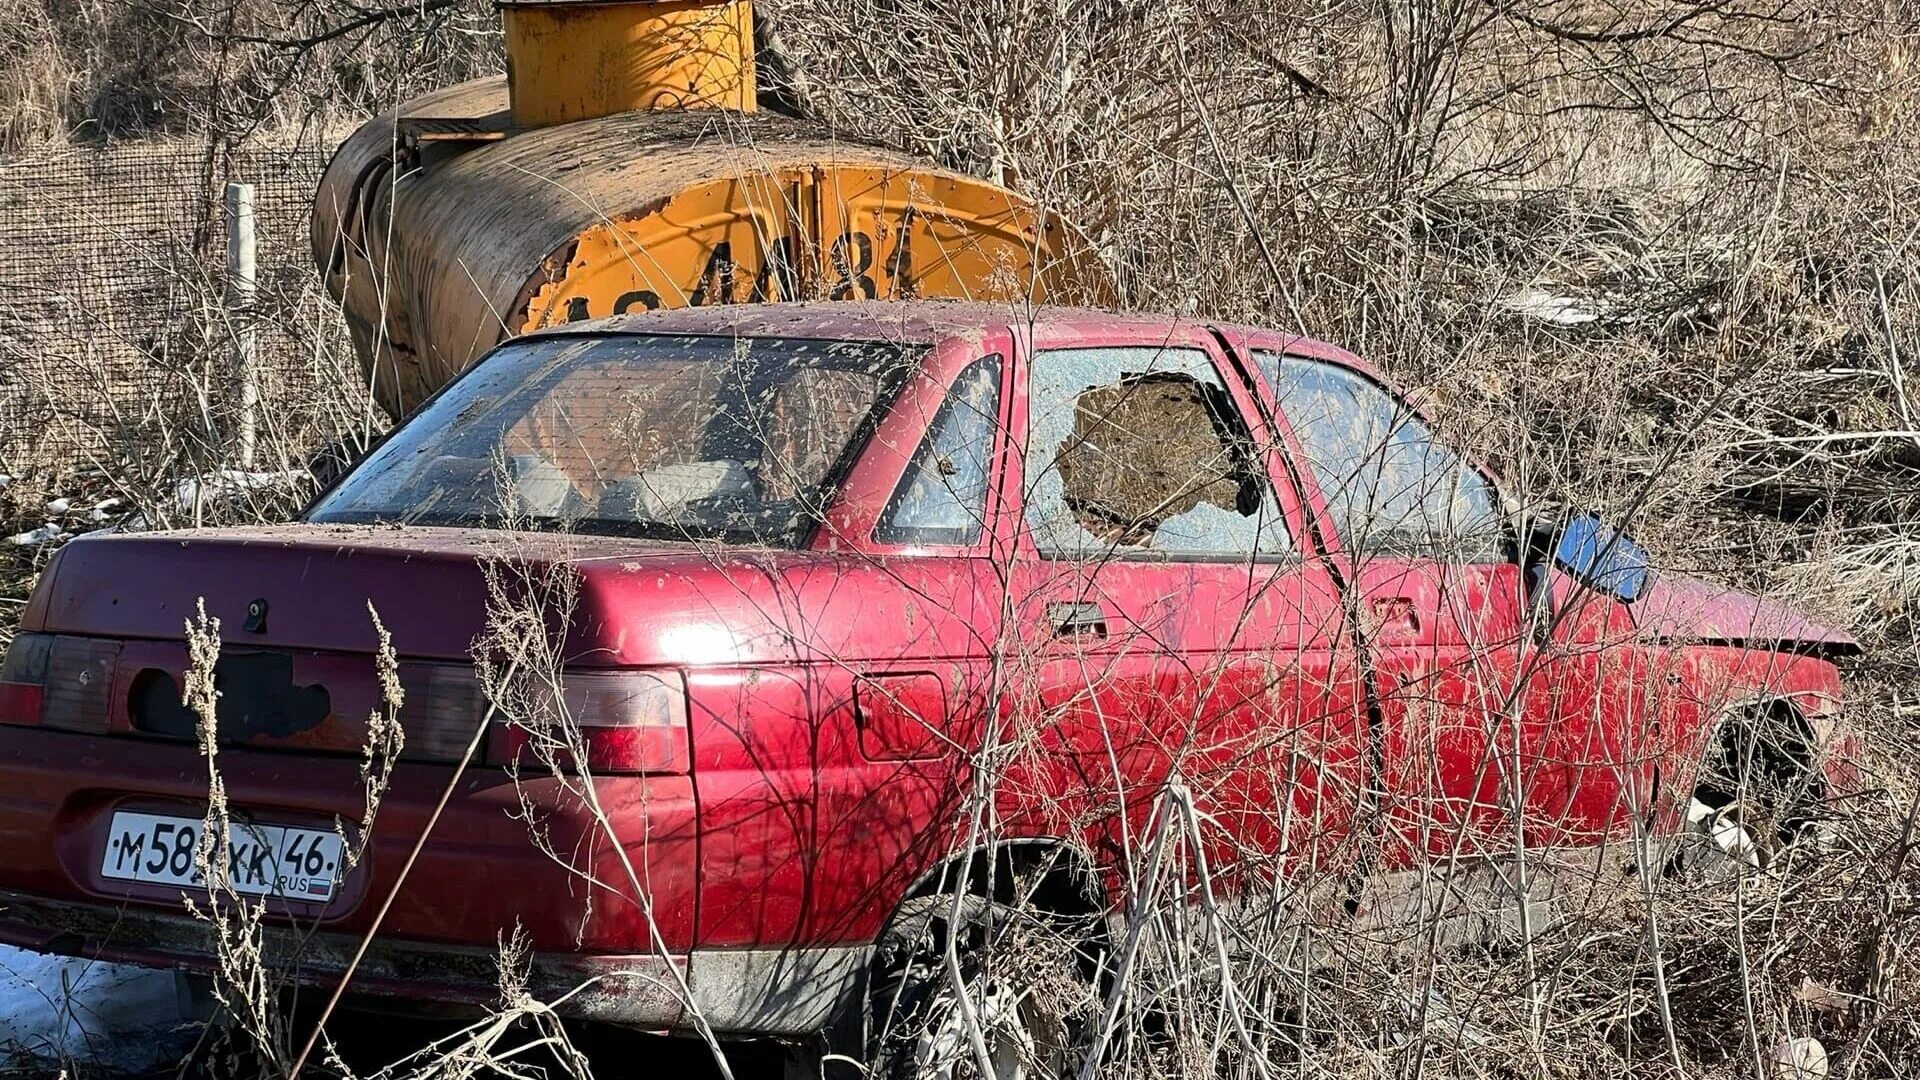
[480, 876]
[748, 992]
[625, 989]
[479, 880]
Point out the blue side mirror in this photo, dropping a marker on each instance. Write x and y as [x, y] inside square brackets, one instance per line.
[1602, 558]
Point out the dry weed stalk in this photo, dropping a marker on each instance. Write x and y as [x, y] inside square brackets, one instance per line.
[521, 660]
[245, 985]
[252, 977]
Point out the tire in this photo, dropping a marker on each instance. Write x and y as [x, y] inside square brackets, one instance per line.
[917, 1029]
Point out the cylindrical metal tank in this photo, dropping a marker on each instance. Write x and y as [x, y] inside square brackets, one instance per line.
[569, 60]
[471, 215]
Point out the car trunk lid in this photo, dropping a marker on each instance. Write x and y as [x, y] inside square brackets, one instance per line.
[298, 666]
[296, 587]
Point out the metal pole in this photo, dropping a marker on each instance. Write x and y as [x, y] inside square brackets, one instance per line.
[241, 286]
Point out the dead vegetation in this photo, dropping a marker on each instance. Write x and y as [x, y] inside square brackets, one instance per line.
[92, 70]
[1653, 259]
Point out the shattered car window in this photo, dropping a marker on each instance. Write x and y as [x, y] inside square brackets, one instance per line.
[1142, 451]
[1390, 485]
[675, 437]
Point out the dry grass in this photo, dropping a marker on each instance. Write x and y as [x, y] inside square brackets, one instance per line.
[94, 70]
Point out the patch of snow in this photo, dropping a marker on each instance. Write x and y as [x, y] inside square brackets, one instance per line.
[58, 1009]
[1549, 308]
[233, 482]
[58, 506]
[45, 534]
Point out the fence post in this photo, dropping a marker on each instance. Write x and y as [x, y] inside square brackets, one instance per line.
[241, 286]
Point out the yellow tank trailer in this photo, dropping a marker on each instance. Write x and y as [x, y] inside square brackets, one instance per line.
[623, 165]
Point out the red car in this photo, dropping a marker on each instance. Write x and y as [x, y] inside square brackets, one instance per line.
[876, 601]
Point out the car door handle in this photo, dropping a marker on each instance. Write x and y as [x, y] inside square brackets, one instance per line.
[1077, 620]
[1395, 615]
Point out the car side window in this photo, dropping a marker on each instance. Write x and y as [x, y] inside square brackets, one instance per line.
[942, 499]
[1391, 486]
[1140, 452]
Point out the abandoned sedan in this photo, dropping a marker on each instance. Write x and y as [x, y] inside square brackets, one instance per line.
[857, 607]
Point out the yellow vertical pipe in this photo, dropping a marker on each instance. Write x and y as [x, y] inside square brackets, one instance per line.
[570, 60]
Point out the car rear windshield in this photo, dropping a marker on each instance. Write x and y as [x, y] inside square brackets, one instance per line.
[668, 437]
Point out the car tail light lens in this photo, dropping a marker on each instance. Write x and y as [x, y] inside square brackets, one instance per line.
[444, 703]
[58, 681]
[628, 722]
[23, 679]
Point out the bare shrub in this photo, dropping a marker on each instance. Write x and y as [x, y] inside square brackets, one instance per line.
[96, 70]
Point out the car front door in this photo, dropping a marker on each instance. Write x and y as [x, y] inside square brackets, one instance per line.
[1494, 722]
[1175, 625]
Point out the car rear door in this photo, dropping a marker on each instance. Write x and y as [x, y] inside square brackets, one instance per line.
[1174, 622]
[901, 613]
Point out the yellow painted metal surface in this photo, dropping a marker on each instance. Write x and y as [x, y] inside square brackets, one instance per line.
[578, 61]
[445, 249]
[823, 232]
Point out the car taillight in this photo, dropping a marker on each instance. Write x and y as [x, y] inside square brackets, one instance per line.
[23, 679]
[444, 702]
[628, 722]
[58, 681]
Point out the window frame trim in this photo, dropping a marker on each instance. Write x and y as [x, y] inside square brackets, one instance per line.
[849, 526]
[880, 535]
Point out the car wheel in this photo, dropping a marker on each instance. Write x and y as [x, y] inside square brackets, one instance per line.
[919, 1030]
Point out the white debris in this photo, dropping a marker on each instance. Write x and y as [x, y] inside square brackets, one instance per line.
[1549, 308]
[58, 506]
[58, 1010]
[1800, 1059]
[45, 534]
[1819, 995]
[103, 510]
[226, 482]
[5, 479]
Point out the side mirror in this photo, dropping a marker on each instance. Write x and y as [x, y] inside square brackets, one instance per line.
[1602, 558]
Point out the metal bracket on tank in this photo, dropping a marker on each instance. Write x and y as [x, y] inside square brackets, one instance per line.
[492, 127]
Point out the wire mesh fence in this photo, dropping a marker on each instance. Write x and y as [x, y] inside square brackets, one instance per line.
[111, 284]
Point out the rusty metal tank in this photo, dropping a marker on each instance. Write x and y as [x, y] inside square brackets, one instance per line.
[623, 165]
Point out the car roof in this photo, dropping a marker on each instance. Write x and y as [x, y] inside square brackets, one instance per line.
[925, 322]
[906, 321]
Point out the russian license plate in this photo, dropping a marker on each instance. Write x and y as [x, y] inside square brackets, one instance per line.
[262, 860]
